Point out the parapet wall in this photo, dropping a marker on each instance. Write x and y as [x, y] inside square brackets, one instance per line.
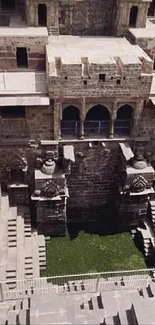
[92, 182]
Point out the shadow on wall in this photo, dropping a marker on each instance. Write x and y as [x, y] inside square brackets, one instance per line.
[106, 224]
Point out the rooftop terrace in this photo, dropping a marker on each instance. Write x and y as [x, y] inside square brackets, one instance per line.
[98, 50]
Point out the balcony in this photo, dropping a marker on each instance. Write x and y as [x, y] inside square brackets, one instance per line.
[97, 129]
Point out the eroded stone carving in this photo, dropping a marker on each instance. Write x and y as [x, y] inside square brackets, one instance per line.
[139, 184]
[139, 162]
[50, 189]
[48, 167]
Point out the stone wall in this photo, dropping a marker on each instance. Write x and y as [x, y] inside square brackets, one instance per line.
[78, 17]
[120, 79]
[35, 46]
[37, 124]
[93, 180]
[40, 122]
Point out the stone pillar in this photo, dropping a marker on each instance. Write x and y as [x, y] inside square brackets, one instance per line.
[136, 117]
[81, 129]
[82, 118]
[112, 121]
[57, 120]
[111, 128]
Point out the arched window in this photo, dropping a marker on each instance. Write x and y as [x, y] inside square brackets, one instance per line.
[133, 16]
[97, 121]
[71, 113]
[70, 121]
[42, 14]
[124, 120]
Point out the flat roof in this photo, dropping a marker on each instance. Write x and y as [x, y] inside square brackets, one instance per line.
[23, 83]
[98, 49]
[147, 32]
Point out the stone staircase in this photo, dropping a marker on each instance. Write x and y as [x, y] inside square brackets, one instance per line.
[15, 312]
[121, 307]
[148, 237]
[22, 250]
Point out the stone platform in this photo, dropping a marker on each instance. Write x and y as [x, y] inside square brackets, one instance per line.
[122, 307]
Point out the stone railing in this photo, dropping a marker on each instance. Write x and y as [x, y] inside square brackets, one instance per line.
[96, 128]
[78, 283]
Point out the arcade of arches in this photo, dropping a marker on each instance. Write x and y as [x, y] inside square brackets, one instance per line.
[97, 122]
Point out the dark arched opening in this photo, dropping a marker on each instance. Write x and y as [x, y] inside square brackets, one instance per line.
[97, 121]
[151, 10]
[42, 15]
[70, 121]
[123, 121]
[133, 16]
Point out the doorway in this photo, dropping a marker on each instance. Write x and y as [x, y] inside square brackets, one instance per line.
[42, 15]
[133, 16]
[22, 59]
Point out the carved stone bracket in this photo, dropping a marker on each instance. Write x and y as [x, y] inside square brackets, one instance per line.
[139, 184]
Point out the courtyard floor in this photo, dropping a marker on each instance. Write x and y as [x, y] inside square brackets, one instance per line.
[92, 253]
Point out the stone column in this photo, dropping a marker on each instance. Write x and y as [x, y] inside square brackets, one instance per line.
[81, 129]
[82, 118]
[136, 117]
[111, 128]
[112, 121]
[57, 120]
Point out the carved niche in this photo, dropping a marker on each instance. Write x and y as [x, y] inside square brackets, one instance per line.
[50, 189]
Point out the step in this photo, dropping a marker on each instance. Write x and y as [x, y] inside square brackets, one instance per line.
[42, 259]
[123, 317]
[18, 305]
[22, 317]
[28, 263]
[12, 317]
[10, 282]
[12, 245]
[11, 276]
[25, 303]
[42, 263]
[28, 272]
[108, 320]
[12, 235]
[12, 220]
[13, 239]
[12, 225]
[29, 268]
